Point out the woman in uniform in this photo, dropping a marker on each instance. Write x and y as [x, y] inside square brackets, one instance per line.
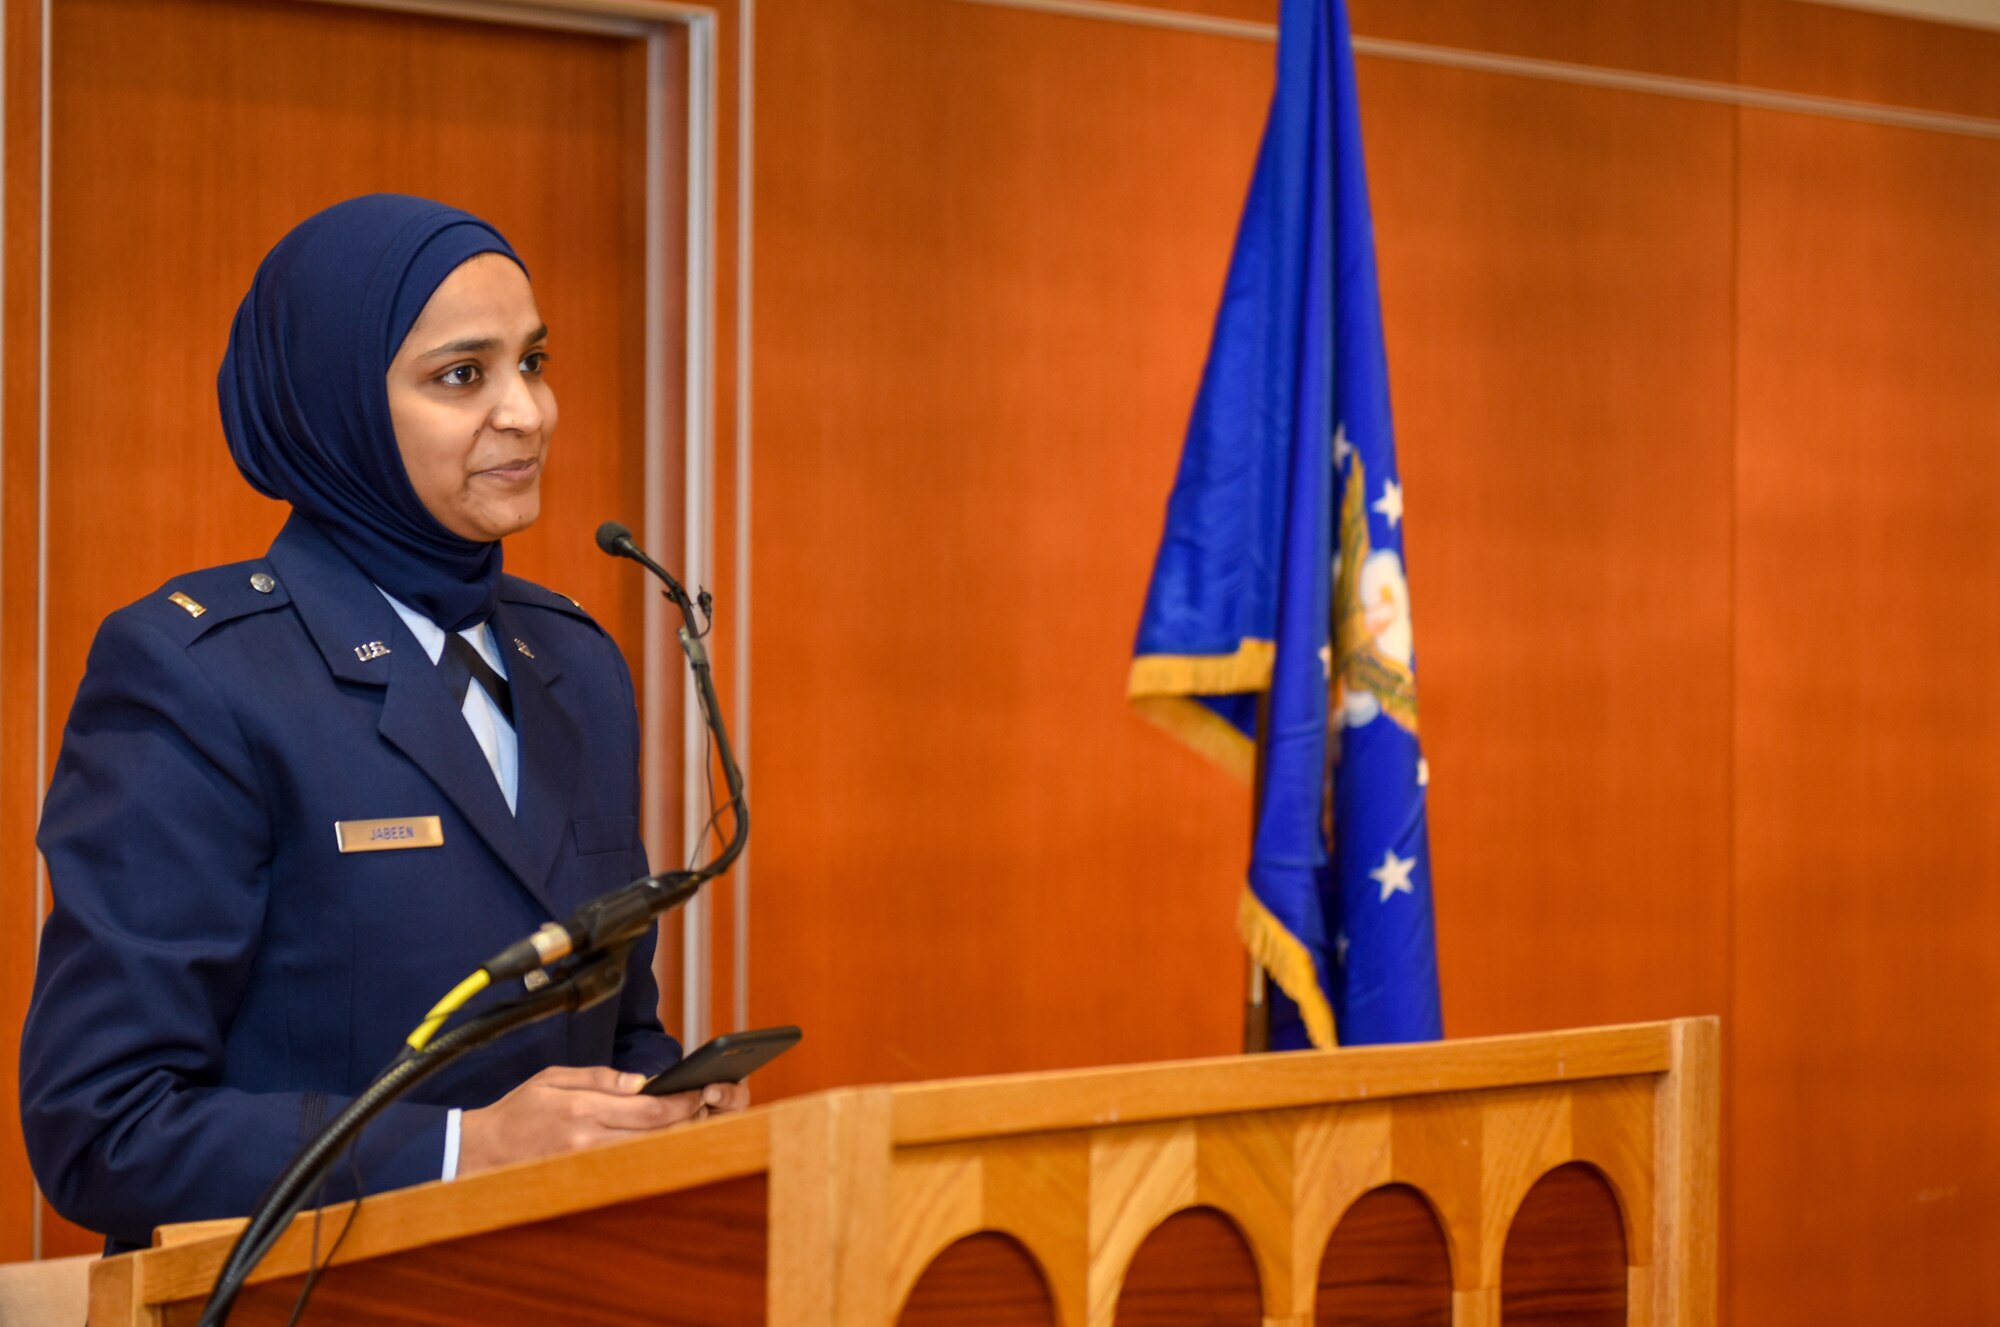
[299, 797]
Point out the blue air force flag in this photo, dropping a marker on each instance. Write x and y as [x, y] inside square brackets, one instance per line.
[1281, 572]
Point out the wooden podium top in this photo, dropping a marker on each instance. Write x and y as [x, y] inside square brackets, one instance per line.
[841, 1178]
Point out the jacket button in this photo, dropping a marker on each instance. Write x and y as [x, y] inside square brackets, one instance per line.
[262, 583]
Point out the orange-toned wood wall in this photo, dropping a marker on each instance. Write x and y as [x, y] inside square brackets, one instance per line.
[1696, 423]
[1697, 420]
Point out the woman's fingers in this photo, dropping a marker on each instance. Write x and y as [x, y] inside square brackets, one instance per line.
[588, 1078]
[564, 1108]
[641, 1112]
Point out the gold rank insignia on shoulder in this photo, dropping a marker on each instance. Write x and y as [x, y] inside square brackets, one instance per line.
[384, 835]
[374, 649]
[193, 609]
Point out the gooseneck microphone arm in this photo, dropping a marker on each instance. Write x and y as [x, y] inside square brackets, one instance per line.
[625, 913]
[616, 540]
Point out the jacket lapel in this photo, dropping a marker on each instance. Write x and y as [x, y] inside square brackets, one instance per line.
[349, 620]
[421, 719]
[551, 747]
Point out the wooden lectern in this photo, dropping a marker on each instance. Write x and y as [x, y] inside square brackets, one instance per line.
[1566, 1177]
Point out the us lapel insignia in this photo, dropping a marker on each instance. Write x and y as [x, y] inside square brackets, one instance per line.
[374, 649]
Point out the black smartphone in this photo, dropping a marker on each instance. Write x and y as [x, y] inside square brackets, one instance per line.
[730, 1058]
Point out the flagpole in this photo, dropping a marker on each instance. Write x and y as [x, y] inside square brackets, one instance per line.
[1256, 1013]
[1256, 1008]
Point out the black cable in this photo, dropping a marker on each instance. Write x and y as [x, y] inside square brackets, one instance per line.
[711, 711]
[591, 981]
[700, 843]
[314, 1267]
[598, 935]
[287, 1194]
[715, 808]
[312, 1257]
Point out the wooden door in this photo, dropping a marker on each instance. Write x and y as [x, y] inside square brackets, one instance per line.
[185, 137]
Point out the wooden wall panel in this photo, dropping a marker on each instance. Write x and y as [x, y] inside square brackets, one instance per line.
[989, 246]
[1829, 50]
[1250, 11]
[1867, 1008]
[1561, 268]
[1682, 38]
[1557, 286]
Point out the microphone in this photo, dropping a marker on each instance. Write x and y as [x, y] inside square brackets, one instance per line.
[616, 540]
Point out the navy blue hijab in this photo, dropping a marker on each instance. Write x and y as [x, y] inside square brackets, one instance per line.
[305, 398]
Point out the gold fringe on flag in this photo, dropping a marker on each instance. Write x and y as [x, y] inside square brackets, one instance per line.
[1163, 686]
[1249, 669]
[1280, 954]
[1204, 730]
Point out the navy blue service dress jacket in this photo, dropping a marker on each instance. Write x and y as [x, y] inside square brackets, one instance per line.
[217, 977]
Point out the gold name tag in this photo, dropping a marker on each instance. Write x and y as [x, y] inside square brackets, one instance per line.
[381, 835]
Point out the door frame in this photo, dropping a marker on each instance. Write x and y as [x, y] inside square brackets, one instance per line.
[30, 24]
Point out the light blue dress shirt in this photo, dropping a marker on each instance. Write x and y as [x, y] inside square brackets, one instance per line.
[496, 738]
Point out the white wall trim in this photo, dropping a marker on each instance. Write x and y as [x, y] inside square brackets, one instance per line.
[746, 179]
[1964, 13]
[1142, 16]
[605, 22]
[699, 553]
[1689, 89]
[1554, 71]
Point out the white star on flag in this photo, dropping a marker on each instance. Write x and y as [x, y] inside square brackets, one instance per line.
[1390, 504]
[1423, 773]
[1394, 875]
[1326, 661]
[1342, 448]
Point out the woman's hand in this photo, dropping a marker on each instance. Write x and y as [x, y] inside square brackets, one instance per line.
[562, 1108]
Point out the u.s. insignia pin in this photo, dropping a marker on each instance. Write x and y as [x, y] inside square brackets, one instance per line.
[374, 649]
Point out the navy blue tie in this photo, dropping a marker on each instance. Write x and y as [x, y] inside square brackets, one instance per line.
[462, 665]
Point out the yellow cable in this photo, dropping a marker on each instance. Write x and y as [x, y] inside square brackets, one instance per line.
[446, 1007]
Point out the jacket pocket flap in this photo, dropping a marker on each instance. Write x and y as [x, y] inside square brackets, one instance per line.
[606, 834]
